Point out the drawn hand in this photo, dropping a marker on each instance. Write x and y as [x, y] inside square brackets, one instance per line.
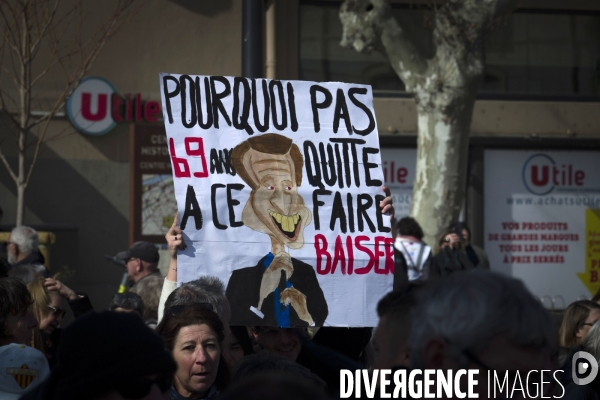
[272, 275]
[386, 204]
[298, 301]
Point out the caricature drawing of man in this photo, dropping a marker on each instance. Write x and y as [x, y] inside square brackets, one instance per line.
[279, 290]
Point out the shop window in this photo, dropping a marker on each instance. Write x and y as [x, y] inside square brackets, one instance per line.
[532, 53]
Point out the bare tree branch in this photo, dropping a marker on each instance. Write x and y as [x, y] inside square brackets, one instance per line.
[29, 26]
[35, 44]
[8, 167]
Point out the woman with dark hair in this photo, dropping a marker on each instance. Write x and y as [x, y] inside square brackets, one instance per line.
[127, 302]
[476, 254]
[194, 335]
[412, 255]
[450, 255]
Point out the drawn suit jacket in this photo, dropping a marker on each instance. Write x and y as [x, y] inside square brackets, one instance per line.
[243, 291]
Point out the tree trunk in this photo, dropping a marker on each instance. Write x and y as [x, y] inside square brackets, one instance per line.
[442, 154]
[445, 85]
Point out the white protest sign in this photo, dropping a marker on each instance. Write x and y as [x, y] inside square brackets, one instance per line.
[542, 220]
[278, 185]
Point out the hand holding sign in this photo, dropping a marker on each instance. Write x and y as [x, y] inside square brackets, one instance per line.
[386, 204]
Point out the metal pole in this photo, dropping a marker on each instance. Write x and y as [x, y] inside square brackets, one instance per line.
[270, 62]
[252, 38]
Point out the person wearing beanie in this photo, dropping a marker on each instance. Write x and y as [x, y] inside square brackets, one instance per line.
[22, 368]
[109, 355]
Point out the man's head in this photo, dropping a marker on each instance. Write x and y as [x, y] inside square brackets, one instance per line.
[23, 241]
[140, 260]
[16, 318]
[127, 302]
[390, 340]
[272, 166]
[284, 342]
[263, 362]
[482, 320]
[111, 355]
[408, 226]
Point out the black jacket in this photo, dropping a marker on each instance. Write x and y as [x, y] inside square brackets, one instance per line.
[243, 291]
[79, 306]
[448, 261]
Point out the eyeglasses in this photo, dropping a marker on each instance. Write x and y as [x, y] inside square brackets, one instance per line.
[140, 387]
[177, 309]
[57, 311]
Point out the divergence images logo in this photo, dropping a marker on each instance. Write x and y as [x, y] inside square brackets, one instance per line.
[88, 106]
[585, 368]
[541, 175]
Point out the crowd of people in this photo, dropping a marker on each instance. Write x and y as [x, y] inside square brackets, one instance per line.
[158, 340]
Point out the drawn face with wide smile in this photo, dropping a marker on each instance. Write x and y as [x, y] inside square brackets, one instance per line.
[275, 207]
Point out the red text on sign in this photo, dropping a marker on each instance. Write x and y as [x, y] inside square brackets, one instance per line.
[380, 255]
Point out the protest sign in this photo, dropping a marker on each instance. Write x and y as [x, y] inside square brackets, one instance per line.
[278, 185]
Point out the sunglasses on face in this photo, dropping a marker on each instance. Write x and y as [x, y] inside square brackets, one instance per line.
[177, 309]
[57, 311]
[140, 387]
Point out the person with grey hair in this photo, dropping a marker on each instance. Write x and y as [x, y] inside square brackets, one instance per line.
[22, 248]
[27, 272]
[390, 338]
[206, 289]
[591, 391]
[482, 320]
[264, 361]
[591, 343]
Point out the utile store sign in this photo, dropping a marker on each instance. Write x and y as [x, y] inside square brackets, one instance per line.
[95, 107]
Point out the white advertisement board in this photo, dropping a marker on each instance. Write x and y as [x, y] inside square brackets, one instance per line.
[542, 220]
[399, 167]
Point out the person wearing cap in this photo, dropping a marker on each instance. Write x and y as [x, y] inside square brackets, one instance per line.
[22, 368]
[141, 260]
[108, 355]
